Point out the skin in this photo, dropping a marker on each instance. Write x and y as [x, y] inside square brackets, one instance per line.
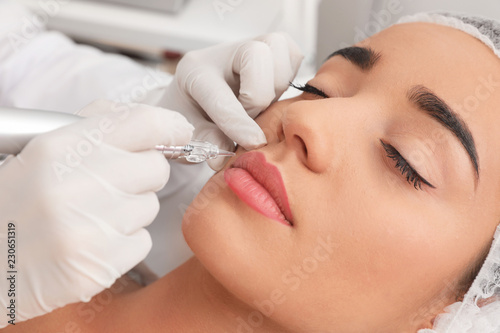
[391, 258]
[367, 252]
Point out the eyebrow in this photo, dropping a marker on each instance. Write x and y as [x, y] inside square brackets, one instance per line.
[363, 57]
[434, 106]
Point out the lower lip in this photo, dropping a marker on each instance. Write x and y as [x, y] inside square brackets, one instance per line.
[253, 194]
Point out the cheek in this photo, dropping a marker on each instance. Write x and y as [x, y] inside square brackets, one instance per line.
[370, 243]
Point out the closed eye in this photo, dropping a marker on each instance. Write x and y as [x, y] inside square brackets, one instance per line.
[412, 176]
[408, 172]
[307, 88]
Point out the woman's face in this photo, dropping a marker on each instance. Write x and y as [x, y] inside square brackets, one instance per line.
[387, 206]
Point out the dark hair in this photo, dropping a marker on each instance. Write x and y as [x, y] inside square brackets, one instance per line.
[466, 280]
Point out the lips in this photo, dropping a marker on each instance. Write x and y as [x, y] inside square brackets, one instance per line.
[259, 184]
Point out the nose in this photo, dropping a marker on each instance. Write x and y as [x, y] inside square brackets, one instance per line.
[309, 131]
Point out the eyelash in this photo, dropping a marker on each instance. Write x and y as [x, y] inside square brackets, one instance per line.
[412, 177]
[309, 89]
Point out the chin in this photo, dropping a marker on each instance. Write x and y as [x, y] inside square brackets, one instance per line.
[233, 242]
[211, 224]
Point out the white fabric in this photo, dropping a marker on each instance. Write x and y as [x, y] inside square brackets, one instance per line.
[479, 312]
[70, 241]
[452, 22]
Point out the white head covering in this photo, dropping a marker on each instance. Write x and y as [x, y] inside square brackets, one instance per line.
[479, 312]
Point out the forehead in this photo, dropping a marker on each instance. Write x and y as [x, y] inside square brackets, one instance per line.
[456, 66]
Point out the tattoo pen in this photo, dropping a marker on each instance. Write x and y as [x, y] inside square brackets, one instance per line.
[194, 152]
[19, 126]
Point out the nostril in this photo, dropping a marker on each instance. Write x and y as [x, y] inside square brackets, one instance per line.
[302, 144]
[281, 133]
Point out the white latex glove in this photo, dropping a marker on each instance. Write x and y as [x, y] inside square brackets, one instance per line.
[221, 89]
[80, 197]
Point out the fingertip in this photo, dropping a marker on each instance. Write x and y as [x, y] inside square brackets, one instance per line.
[223, 143]
[211, 133]
[240, 129]
[144, 243]
[226, 144]
[134, 248]
[252, 143]
[168, 127]
[256, 140]
[218, 163]
[165, 173]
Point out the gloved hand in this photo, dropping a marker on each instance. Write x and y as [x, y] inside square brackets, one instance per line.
[80, 197]
[221, 88]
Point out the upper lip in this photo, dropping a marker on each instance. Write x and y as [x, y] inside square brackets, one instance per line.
[269, 176]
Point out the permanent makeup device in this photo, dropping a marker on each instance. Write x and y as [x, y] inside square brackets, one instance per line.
[19, 126]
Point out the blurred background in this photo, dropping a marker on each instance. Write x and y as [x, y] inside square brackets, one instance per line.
[158, 32]
[163, 30]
